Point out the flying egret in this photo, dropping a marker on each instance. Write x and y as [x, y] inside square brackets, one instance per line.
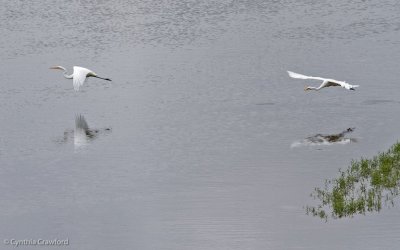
[325, 82]
[79, 76]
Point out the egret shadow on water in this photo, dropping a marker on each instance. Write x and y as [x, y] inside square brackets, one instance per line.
[326, 139]
[82, 135]
[366, 185]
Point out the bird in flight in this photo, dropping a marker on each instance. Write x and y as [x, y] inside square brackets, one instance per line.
[325, 82]
[79, 75]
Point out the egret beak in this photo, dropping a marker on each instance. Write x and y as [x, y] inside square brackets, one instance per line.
[55, 67]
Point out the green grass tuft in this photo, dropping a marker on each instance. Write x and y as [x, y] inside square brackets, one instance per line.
[365, 186]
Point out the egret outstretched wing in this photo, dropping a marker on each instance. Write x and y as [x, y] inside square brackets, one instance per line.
[327, 83]
[79, 78]
[300, 76]
[332, 82]
[349, 86]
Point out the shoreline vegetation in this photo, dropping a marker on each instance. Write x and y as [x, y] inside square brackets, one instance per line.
[366, 186]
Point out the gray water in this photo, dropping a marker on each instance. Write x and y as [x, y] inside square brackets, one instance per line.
[190, 145]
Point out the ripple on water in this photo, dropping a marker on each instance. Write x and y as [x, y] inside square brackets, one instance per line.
[265, 103]
[40, 27]
[378, 101]
[43, 27]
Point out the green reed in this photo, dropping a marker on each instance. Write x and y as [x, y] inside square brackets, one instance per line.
[365, 186]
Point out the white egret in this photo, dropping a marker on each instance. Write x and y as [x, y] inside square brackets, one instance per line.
[326, 82]
[79, 75]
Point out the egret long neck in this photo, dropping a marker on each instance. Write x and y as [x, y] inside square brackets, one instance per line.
[66, 73]
[68, 76]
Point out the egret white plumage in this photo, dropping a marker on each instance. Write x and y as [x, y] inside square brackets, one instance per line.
[79, 75]
[326, 82]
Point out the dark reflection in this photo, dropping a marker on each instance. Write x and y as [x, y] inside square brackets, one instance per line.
[365, 186]
[321, 139]
[82, 134]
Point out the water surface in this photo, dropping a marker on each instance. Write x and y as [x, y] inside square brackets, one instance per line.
[203, 115]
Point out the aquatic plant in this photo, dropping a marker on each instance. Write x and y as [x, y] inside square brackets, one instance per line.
[366, 186]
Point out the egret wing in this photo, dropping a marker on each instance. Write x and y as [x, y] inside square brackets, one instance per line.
[331, 83]
[300, 76]
[343, 84]
[79, 76]
[349, 86]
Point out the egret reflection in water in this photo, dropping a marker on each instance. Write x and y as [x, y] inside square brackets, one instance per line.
[82, 134]
[323, 139]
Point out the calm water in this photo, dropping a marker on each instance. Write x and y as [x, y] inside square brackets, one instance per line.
[190, 146]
